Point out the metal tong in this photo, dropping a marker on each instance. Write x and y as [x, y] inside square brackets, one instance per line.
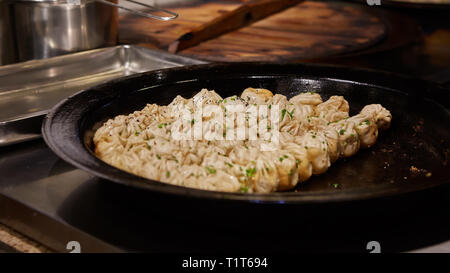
[150, 14]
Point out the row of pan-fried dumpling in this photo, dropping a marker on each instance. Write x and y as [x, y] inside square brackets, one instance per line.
[313, 134]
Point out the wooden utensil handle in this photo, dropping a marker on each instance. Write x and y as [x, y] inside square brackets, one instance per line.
[242, 16]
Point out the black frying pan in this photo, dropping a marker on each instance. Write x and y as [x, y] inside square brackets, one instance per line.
[418, 137]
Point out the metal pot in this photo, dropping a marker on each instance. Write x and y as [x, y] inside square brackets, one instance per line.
[7, 46]
[46, 28]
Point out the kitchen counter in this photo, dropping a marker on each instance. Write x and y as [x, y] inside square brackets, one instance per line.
[17, 242]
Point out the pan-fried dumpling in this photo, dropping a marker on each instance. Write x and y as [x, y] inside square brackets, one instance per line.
[309, 98]
[381, 115]
[334, 109]
[256, 95]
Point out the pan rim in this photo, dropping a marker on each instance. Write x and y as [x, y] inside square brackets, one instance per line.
[135, 181]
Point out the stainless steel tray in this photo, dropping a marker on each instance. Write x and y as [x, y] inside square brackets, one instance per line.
[29, 89]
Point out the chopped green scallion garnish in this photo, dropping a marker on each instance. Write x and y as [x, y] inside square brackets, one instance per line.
[250, 172]
[210, 170]
[291, 114]
[283, 113]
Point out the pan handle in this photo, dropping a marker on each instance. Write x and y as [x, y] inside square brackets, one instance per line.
[172, 15]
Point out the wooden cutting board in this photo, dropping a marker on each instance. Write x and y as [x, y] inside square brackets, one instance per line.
[309, 30]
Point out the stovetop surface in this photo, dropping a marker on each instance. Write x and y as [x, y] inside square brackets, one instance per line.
[54, 203]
